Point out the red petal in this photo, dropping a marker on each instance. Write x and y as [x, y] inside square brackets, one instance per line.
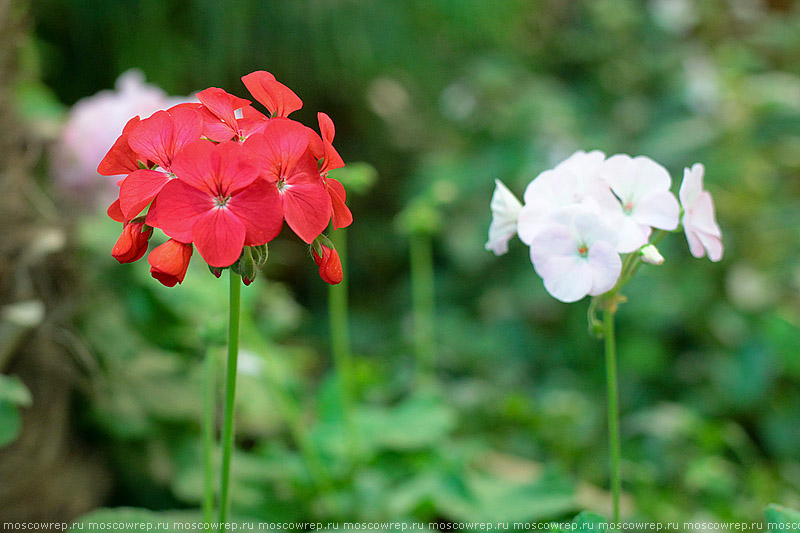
[307, 209]
[160, 137]
[260, 208]
[252, 121]
[132, 243]
[218, 170]
[332, 159]
[282, 144]
[138, 190]
[326, 127]
[177, 208]
[214, 128]
[120, 159]
[219, 237]
[330, 266]
[115, 212]
[275, 96]
[223, 105]
[169, 262]
[342, 217]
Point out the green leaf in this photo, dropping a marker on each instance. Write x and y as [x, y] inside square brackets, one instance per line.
[778, 517]
[587, 520]
[14, 391]
[10, 423]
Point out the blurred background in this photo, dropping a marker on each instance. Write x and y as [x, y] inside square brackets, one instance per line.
[491, 405]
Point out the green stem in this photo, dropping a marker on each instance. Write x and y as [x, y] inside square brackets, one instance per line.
[340, 342]
[230, 395]
[423, 289]
[208, 438]
[613, 408]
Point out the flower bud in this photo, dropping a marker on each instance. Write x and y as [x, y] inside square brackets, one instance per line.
[248, 264]
[132, 243]
[330, 266]
[651, 255]
[169, 262]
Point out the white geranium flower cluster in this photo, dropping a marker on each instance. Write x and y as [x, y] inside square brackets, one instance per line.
[579, 217]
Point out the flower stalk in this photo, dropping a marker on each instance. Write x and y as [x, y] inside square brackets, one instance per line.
[230, 395]
[613, 407]
[423, 303]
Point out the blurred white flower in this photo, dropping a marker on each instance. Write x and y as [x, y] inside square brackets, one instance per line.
[699, 221]
[575, 254]
[573, 181]
[645, 201]
[94, 123]
[505, 212]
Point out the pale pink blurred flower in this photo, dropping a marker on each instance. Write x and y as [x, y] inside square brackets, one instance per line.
[645, 201]
[699, 221]
[575, 255]
[505, 212]
[575, 180]
[94, 123]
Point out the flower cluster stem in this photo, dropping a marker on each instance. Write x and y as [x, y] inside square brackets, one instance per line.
[613, 409]
[230, 395]
[340, 342]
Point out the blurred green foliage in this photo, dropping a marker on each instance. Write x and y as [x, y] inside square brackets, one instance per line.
[441, 97]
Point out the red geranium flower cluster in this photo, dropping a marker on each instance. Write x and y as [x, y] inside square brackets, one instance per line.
[222, 176]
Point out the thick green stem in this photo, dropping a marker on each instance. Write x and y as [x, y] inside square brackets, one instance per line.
[230, 395]
[613, 409]
[423, 288]
[209, 397]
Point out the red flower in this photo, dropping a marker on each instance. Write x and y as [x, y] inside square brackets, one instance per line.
[330, 266]
[272, 94]
[283, 154]
[218, 202]
[341, 215]
[120, 159]
[132, 243]
[220, 122]
[169, 262]
[159, 139]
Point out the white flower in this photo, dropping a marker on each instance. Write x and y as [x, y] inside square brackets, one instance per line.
[93, 125]
[645, 201]
[699, 221]
[575, 180]
[505, 212]
[575, 255]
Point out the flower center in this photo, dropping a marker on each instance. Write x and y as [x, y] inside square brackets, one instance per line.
[583, 250]
[282, 185]
[627, 208]
[221, 201]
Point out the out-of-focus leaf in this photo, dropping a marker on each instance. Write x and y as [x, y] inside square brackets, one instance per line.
[781, 518]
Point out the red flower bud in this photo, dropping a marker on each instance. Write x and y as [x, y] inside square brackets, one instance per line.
[169, 262]
[330, 266]
[132, 244]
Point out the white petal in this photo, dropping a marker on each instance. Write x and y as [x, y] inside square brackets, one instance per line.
[505, 213]
[566, 278]
[605, 265]
[631, 236]
[658, 210]
[692, 185]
